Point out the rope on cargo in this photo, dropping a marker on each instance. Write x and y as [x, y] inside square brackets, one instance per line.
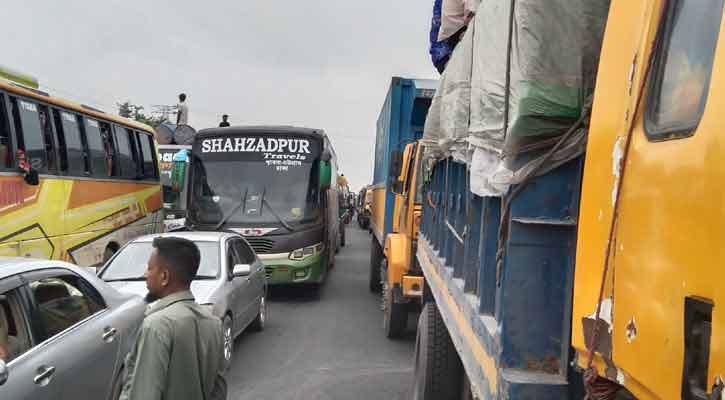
[503, 230]
[595, 388]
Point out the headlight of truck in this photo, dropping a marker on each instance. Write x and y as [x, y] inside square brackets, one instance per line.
[308, 251]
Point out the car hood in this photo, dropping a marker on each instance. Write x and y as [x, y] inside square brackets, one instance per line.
[202, 289]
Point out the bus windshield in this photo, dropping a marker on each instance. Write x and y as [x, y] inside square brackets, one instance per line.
[243, 188]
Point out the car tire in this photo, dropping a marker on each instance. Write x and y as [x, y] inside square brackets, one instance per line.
[395, 315]
[259, 322]
[437, 369]
[228, 341]
[376, 257]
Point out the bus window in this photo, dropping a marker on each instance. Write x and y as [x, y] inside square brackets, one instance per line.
[99, 162]
[6, 152]
[35, 134]
[73, 153]
[149, 157]
[110, 149]
[126, 160]
[678, 92]
[146, 163]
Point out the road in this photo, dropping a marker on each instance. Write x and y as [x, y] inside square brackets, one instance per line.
[327, 347]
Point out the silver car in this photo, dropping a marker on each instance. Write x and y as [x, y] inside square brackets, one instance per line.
[230, 280]
[64, 333]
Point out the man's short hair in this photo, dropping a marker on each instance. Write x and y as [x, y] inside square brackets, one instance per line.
[181, 256]
[225, 116]
[182, 96]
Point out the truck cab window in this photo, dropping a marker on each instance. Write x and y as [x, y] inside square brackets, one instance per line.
[678, 90]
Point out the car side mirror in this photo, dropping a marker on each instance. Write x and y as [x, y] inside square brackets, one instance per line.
[241, 270]
[4, 373]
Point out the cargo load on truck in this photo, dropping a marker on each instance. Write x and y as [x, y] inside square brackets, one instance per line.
[519, 79]
[505, 137]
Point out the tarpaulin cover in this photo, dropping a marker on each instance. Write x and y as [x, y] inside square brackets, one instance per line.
[453, 16]
[450, 108]
[554, 53]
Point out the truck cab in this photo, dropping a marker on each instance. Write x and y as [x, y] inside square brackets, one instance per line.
[402, 278]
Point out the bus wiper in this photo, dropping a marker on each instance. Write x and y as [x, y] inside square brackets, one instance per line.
[269, 206]
[236, 207]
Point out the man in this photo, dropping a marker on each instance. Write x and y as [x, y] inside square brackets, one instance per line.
[225, 122]
[182, 115]
[179, 351]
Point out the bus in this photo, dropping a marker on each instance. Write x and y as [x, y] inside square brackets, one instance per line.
[174, 200]
[75, 183]
[274, 185]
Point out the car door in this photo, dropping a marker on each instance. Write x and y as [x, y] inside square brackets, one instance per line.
[30, 373]
[257, 278]
[238, 288]
[77, 333]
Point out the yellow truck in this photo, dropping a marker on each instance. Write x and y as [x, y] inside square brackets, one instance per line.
[396, 202]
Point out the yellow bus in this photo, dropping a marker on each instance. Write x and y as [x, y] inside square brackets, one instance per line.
[75, 183]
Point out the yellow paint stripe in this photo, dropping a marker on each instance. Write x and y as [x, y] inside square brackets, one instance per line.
[485, 361]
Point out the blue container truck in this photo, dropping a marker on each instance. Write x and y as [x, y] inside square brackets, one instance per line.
[400, 122]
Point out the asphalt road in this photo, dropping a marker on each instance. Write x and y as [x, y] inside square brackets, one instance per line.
[327, 347]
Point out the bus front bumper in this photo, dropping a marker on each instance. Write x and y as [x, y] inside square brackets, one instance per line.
[281, 270]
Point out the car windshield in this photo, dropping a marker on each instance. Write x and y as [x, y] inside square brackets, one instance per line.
[255, 188]
[130, 263]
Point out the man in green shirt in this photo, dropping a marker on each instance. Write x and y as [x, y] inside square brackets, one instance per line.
[179, 351]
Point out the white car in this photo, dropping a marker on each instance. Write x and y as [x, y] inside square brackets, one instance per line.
[231, 279]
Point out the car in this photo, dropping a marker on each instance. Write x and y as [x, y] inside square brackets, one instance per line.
[63, 331]
[231, 280]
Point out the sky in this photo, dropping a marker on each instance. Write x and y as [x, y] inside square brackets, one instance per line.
[317, 63]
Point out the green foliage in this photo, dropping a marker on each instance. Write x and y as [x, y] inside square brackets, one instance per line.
[135, 112]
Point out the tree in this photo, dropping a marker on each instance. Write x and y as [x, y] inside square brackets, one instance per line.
[135, 112]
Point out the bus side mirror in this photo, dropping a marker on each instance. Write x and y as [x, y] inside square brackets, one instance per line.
[325, 174]
[178, 171]
[31, 177]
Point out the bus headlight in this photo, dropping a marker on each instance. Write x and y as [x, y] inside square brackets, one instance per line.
[308, 251]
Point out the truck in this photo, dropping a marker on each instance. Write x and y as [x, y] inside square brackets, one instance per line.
[582, 260]
[364, 201]
[274, 185]
[392, 271]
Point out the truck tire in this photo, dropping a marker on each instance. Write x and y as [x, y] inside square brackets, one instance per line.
[438, 371]
[395, 315]
[376, 257]
[342, 236]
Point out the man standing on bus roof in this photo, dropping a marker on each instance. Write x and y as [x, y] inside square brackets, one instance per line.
[179, 350]
[225, 122]
[182, 115]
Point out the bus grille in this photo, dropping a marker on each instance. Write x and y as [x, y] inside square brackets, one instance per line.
[261, 245]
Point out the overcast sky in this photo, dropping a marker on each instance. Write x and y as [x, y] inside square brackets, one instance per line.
[316, 63]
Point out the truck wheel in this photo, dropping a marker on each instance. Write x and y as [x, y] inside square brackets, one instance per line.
[395, 315]
[376, 257]
[438, 371]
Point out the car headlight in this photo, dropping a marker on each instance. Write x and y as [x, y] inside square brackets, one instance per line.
[308, 251]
